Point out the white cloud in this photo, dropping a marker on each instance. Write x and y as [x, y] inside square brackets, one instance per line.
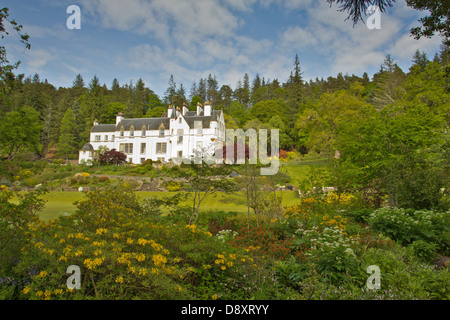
[37, 59]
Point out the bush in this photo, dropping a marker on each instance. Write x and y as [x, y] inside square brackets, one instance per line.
[425, 251]
[112, 157]
[407, 226]
[124, 254]
[173, 186]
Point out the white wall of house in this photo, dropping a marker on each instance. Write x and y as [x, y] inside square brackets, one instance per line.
[178, 140]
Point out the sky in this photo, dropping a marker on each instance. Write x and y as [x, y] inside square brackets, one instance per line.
[190, 39]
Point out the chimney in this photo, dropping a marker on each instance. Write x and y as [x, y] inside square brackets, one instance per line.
[199, 109]
[119, 118]
[185, 109]
[207, 108]
[95, 122]
[169, 112]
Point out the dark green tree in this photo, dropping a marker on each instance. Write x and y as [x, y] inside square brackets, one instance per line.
[68, 145]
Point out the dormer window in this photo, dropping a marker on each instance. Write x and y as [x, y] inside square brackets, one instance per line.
[143, 131]
[132, 132]
[179, 120]
[122, 132]
[161, 130]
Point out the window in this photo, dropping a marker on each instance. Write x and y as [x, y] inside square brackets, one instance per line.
[160, 159]
[112, 138]
[106, 138]
[179, 120]
[142, 160]
[180, 154]
[97, 138]
[143, 132]
[143, 146]
[121, 132]
[161, 132]
[199, 127]
[161, 147]
[180, 136]
[126, 148]
[131, 132]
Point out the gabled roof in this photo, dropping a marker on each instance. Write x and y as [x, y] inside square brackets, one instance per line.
[154, 123]
[104, 128]
[191, 117]
[139, 123]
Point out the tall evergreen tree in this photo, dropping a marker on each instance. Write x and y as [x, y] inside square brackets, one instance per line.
[67, 145]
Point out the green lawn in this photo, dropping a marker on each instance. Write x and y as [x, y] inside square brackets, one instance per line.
[301, 171]
[60, 202]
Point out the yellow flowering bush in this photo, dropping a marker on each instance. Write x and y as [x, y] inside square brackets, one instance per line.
[123, 254]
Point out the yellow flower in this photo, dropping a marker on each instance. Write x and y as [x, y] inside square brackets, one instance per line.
[142, 271]
[223, 268]
[159, 259]
[39, 244]
[119, 280]
[101, 231]
[214, 297]
[26, 290]
[42, 274]
[140, 257]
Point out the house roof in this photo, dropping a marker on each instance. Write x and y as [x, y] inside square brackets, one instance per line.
[139, 123]
[155, 123]
[87, 147]
[104, 128]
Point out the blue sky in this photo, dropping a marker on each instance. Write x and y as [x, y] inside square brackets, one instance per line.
[191, 39]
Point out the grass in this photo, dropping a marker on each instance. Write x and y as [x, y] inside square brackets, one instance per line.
[302, 173]
[61, 202]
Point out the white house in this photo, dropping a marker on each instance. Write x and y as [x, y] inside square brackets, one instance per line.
[176, 134]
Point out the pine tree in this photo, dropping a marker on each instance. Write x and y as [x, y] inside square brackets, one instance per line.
[67, 145]
[171, 91]
[420, 60]
[78, 82]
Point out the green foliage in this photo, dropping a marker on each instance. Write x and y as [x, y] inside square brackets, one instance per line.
[67, 145]
[20, 130]
[407, 226]
[17, 220]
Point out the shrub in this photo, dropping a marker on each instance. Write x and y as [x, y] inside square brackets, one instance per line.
[425, 251]
[112, 157]
[407, 226]
[173, 186]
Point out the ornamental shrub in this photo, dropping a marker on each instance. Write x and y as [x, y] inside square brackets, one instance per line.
[406, 226]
